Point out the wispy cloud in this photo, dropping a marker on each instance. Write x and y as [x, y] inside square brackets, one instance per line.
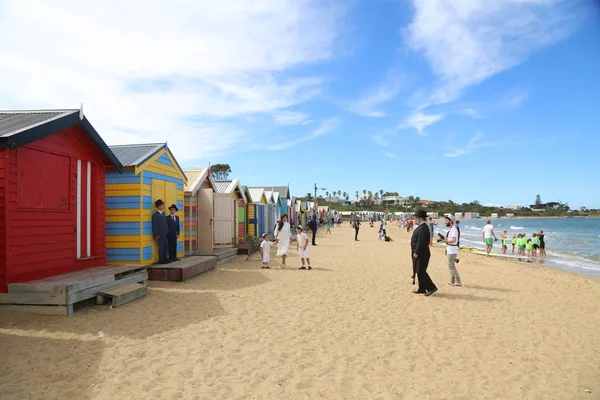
[369, 104]
[471, 112]
[291, 118]
[390, 155]
[419, 121]
[380, 139]
[515, 98]
[468, 41]
[324, 128]
[205, 71]
[470, 146]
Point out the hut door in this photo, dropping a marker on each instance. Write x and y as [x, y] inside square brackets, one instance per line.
[84, 209]
[205, 221]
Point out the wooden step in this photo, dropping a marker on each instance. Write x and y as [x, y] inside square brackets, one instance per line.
[126, 293]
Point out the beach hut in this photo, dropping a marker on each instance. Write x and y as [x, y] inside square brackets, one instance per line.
[271, 212]
[198, 206]
[242, 217]
[52, 177]
[228, 194]
[150, 172]
[257, 216]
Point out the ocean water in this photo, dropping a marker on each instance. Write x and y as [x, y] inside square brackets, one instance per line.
[572, 244]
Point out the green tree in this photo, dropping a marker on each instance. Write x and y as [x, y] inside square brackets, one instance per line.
[357, 195]
[220, 172]
[538, 200]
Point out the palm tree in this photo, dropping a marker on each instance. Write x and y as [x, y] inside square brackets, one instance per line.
[381, 192]
[346, 196]
[365, 192]
[309, 196]
[339, 192]
[357, 195]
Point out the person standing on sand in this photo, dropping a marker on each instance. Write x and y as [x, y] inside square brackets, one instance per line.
[160, 230]
[283, 235]
[356, 226]
[314, 225]
[419, 244]
[431, 227]
[504, 238]
[302, 247]
[542, 244]
[452, 242]
[488, 237]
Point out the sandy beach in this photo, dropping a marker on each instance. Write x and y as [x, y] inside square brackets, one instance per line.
[349, 329]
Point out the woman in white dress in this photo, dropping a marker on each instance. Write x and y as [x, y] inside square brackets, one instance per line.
[283, 235]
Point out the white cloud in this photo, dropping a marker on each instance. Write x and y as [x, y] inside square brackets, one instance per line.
[515, 98]
[390, 155]
[381, 140]
[153, 71]
[387, 90]
[471, 112]
[291, 118]
[468, 41]
[324, 128]
[470, 146]
[420, 121]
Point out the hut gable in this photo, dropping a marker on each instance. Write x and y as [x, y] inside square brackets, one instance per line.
[199, 212]
[52, 176]
[150, 172]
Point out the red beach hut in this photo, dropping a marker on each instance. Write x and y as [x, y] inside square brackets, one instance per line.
[52, 204]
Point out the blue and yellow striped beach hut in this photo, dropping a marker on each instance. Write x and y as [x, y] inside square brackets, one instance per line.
[150, 172]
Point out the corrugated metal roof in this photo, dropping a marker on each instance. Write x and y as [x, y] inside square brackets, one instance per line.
[195, 178]
[222, 186]
[13, 122]
[131, 155]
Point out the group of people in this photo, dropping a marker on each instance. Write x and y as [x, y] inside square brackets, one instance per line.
[166, 230]
[421, 240]
[283, 237]
[526, 246]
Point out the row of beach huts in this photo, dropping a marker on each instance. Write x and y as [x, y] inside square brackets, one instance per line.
[69, 202]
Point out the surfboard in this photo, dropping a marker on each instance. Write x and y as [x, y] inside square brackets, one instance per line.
[482, 253]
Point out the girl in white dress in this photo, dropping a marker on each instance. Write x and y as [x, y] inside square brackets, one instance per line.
[283, 235]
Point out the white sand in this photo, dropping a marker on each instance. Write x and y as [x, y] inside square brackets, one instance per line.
[351, 328]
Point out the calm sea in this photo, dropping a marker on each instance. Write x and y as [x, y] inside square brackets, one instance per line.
[572, 244]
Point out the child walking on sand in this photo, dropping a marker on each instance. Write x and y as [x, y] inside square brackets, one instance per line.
[302, 247]
[265, 251]
[514, 242]
[328, 226]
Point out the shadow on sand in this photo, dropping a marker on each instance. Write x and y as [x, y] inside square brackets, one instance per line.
[466, 297]
[490, 288]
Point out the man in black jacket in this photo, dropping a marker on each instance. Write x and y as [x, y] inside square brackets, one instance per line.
[173, 236]
[419, 244]
[314, 225]
[160, 231]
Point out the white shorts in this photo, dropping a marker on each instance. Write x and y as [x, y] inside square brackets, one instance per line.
[304, 253]
[266, 257]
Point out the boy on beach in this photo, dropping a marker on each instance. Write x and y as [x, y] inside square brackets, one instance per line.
[514, 243]
[535, 242]
[380, 236]
[302, 247]
[529, 247]
[265, 251]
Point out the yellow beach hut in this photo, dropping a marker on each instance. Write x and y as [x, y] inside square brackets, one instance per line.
[257, 215]
[150, 172]
[198, 205]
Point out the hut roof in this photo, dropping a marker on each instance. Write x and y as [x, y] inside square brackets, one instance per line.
[21, 127]
[230, 186]
[196, 177]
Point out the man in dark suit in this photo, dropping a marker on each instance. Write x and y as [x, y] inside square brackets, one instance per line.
[419, 244]
[173, 225]
[314, 225]
[160, 230]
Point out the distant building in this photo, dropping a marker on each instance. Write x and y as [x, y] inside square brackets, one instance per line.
[426, 202]
[509, 215]
[514, 207]
[494, 215]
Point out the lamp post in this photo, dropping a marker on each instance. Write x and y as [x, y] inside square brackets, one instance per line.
[316, 205]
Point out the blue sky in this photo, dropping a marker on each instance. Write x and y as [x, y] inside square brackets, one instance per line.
[441, 99]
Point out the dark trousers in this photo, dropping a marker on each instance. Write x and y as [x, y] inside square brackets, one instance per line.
[172, 247]
[163, 248]
[314, 237]
[420, 266]
[384, 233]
[356, 233]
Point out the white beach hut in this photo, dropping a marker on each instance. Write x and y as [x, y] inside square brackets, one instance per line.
[227, 195]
